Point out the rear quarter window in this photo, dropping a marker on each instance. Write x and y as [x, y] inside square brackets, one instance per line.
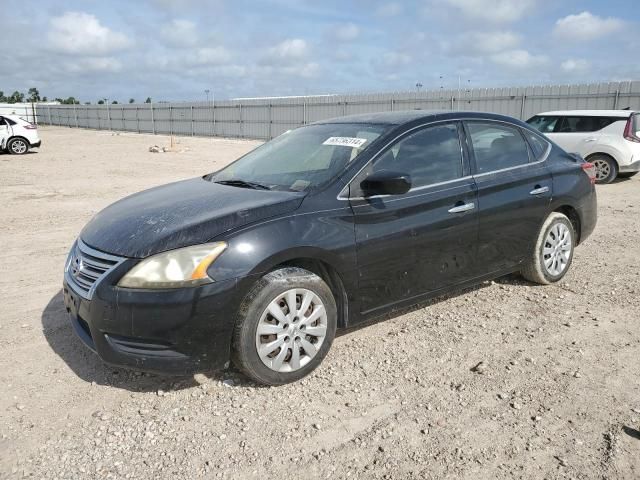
[585, 124]
[538, 144]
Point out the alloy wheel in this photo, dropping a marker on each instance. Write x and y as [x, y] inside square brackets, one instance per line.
[556, 251]
[18, 146]
[291, 330]
[603, 169]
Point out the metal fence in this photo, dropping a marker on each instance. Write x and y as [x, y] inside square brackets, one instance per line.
[24, 110]
[266, 118]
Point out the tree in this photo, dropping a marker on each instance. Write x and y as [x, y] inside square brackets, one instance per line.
[34, 95]
[16, 97]
[100, 102]
[87, 103]
[70, 101]
[131, 100]
[2, 97]
[115, 102]
[44, 99]
[148, 100]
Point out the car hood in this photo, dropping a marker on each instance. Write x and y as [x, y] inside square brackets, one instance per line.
[180, 214]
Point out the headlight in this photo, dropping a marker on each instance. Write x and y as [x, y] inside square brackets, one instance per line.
[184, 267]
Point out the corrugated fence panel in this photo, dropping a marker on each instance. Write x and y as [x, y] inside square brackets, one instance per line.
[265, 118]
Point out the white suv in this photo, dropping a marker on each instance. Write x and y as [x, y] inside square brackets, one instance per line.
[17, 135]
[610, 139]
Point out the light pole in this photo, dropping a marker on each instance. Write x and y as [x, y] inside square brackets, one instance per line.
[207, 93]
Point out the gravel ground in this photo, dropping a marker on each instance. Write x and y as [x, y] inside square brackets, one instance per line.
[507, 380]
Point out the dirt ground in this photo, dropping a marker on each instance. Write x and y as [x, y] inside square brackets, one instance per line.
[557, 394]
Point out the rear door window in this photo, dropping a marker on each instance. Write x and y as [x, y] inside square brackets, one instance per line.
[585, 124]
[497, 146]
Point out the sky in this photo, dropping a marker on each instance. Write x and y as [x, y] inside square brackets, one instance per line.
[174, 50]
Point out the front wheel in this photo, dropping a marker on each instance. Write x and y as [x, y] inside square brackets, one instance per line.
[18, 146]
[285, 327]
[553, 251]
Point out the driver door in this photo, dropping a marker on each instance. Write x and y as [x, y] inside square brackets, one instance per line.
[424, 240]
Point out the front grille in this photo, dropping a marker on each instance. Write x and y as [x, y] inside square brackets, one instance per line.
[86, 267]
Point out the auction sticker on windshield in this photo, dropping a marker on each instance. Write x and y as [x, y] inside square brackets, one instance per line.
[353, 142]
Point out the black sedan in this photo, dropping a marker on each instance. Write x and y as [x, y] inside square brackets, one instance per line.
[322, 228]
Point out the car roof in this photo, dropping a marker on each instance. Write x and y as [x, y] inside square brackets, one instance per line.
[402, 117]
[589, 113]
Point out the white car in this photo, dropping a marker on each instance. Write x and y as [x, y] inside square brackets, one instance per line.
[610, 139]
[17, 135]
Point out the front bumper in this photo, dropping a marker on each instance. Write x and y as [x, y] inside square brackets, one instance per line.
[632, 167]
[178, 332]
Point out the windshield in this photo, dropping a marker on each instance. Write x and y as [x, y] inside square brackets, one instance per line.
[300, 159]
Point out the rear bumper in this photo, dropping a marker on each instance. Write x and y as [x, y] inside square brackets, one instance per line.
[36, 144]
[632, 167]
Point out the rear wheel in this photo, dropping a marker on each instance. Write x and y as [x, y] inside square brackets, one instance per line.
[285, 327]
[18, 146]
[553, 251]
[606, 168]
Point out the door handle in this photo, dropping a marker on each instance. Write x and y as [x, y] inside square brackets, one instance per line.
[462, 208]
[591, 140]
[539, 190]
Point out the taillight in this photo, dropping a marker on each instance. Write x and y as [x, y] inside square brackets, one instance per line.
[590, 170]
[629, 133]
[31, 127]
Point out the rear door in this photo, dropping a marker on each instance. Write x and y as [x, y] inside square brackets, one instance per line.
[425, 239]
[514, 191]
[579, 134]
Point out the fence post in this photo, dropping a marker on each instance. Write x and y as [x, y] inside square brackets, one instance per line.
[270, 133]
[153, 120]
[192, 132]
[137, 120]
[304, 112]
[392, 106]
[344, 108]
[617, 97]
[170, 119]
[524, 99]
[453, 102]
[241, 132]
[49, 112]
[213, 118]
[75, 114]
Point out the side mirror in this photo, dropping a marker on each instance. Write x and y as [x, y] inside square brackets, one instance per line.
[386, 182]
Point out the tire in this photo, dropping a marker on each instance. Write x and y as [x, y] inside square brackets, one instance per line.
[626, 174]
[547, 263]
[266, 307]
[17, 146]
[606, 168]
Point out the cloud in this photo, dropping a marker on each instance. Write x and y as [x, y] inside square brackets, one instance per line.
[395, 59]
[586, 26]
[485, 42]
[180, 33]
[500, 11]
[575, 65]
[518, 59]
[345, 32]
[80, 33]
[289, 51]
[390, 9]
[93, 65]
[209, 56]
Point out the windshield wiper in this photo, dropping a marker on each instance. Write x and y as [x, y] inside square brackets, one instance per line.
[243, 184]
